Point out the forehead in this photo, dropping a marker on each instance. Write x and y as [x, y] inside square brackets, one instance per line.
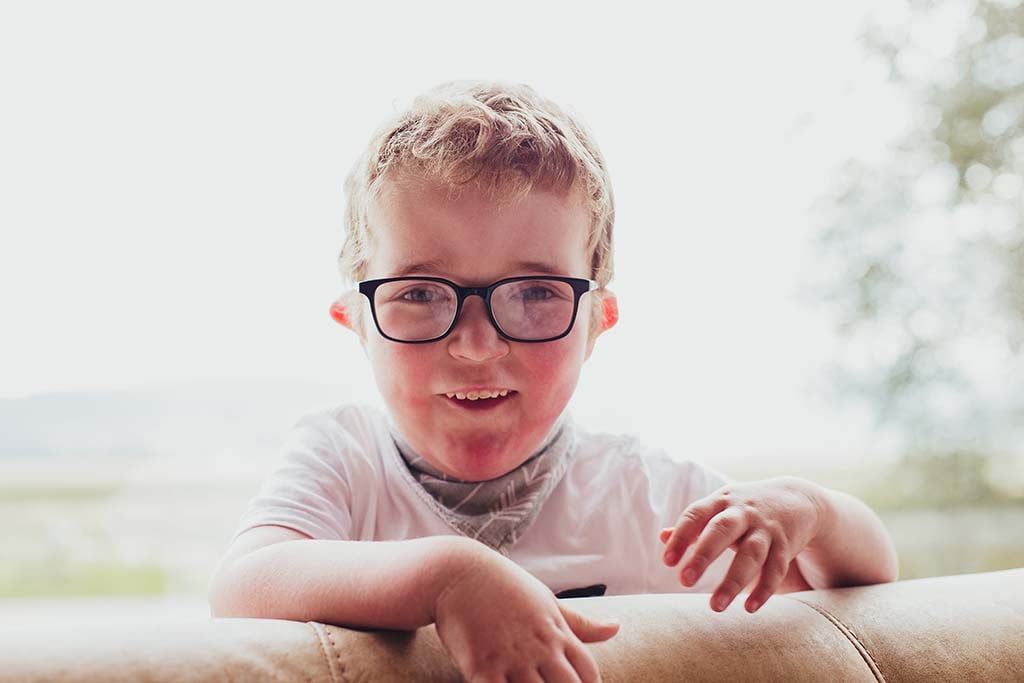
[420, 227]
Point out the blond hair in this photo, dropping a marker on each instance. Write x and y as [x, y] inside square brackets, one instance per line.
[501, 138]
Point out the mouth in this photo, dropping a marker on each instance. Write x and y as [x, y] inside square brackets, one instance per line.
[480, 400]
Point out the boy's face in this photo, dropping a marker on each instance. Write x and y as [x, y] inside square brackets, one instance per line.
[471, 241]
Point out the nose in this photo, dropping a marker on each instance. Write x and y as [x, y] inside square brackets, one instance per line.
[474, 337]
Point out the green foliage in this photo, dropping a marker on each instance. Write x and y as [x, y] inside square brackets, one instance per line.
[938, 481]
[956, 539]
[72, 491]
[85, 579]
[924, 248]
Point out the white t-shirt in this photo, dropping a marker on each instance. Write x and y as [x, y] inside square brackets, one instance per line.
[341, 477]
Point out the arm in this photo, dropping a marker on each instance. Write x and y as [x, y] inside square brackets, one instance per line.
[788, 533]
[493, 617]
[851, 548]
[273, 572]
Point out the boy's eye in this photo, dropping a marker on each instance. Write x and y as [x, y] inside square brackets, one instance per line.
[424, 295]
[536, 294]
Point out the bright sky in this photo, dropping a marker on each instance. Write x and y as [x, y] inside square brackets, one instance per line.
[172, 192]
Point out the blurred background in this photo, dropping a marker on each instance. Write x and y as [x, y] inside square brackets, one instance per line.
[819, 257]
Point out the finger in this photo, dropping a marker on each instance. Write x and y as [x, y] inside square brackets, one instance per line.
[586, 629]
[665, 533]
[558, 671]
[773, 572]
[691, 522]
[720, 533]
[584, 664]
[750, 557]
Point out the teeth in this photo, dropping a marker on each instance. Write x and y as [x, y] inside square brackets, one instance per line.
[477, 395]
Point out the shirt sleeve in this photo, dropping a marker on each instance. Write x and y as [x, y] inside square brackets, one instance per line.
[674, 486]
[309, 490]
[678, 483]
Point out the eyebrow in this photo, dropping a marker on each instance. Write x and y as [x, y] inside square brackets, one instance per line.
[440, 266]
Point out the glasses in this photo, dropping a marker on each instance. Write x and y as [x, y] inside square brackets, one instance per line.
[417, 310]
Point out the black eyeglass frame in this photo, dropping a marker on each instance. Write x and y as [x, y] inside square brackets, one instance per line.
[580, 286]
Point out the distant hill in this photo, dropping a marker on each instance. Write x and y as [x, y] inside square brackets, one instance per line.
[188, 419]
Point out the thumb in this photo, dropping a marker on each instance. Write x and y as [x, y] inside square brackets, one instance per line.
[586, 629]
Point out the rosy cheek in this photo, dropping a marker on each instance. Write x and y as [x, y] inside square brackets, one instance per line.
[554, 366]
[404, 369]
[406, 357]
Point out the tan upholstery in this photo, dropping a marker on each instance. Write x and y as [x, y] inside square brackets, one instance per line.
[955, 628]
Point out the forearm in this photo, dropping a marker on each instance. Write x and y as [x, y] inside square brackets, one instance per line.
[853, 547]
[378, 584]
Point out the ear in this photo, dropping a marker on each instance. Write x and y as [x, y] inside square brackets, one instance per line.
[340, 314]
[609, 311]
[344, 314]
[609, 316]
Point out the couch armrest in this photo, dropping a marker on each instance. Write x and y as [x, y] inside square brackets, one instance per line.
[968, 627]
[965, 628]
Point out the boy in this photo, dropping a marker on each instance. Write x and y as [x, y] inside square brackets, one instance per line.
[479, 230]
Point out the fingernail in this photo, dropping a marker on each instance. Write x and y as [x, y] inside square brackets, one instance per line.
[690, 576]
[754, 606]
[671, 557]
[719, 604]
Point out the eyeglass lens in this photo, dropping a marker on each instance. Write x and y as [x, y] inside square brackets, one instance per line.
[416, 310]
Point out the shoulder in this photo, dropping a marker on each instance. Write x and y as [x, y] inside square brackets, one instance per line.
[342, 436]
[354, 424]
[626, 459]
[322, 481]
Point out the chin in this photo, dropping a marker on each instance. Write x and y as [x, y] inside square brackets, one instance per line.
[483, 460]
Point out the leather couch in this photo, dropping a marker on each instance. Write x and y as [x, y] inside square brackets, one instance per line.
[952, 628]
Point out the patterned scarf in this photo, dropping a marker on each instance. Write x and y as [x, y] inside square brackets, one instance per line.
[497, 511]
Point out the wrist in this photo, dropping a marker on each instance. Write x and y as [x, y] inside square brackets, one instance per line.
[824, 510]
[457, 556]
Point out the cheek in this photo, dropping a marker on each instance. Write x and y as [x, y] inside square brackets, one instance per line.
[402, 371]
[556, 365]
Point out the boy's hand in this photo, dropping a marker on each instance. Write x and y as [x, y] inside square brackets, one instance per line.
[499, 623]
[767, 522]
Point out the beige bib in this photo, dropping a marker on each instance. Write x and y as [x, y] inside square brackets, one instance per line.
[497, 511]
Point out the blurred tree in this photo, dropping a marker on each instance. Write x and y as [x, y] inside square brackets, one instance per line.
[924, 249]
